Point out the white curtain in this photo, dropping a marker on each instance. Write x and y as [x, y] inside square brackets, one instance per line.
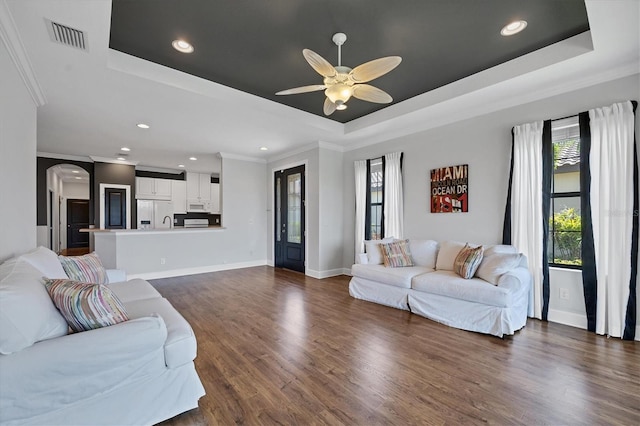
[361, 204]
[526, 205]
[611, 163]
[393, 211]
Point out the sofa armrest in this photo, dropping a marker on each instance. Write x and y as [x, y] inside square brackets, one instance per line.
[362, 258]
[517, 278]
[62, 371]
[116, 275]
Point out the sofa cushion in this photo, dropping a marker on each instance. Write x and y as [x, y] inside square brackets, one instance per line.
[396, 254]
[27, 314]
[467, 261]
[180, 347]
[447, 254]
[424, 252]
[372, 248]
[448, 283]
[87, 268]
[45, 261]
[398, 277]
[495, 265]
[86, 306]
[135, 289]
[499, 248]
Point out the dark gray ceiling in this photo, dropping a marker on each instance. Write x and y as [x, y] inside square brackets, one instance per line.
[256, 45]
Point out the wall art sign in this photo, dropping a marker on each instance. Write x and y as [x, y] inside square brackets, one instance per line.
[450, 189]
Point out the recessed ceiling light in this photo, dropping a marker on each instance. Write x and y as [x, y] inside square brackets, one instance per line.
[264, 148]
[75, 171]
[182, 46]
[192, 158]
[121, 158]
[78, 177]
[143, 126]
[513, 28]
[181, 165]
[124, 148]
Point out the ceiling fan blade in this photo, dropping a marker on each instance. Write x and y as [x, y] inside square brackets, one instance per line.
[366, 92]
[374, 69]
[329, 107]
[303, 89]
[318, 63]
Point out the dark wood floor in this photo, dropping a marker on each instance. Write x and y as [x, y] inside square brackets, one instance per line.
[276, 347]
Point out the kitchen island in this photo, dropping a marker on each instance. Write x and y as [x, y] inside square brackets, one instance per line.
[160, 253]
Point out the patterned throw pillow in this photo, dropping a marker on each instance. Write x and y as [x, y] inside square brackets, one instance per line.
[86, 269]
[396, 254]
[86, 306]
[467, 261]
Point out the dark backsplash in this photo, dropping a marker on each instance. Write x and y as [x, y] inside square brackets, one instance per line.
[214, 219]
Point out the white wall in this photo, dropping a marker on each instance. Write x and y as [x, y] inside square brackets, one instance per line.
[485, 144]
[17, 162]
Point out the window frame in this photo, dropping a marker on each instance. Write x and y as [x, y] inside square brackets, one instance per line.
[369, 204]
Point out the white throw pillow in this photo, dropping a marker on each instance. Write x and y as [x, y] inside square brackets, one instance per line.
[499, 248]
[424, 252]
[447, 254]
[497, 264]
[371, 247]
[27, 314]
[45, 261]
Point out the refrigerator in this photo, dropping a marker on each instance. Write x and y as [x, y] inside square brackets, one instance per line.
[155, 214]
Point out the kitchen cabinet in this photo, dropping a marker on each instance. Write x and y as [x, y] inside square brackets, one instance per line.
[153, 189]
[179, 196]
[215, 198]
[198, 187]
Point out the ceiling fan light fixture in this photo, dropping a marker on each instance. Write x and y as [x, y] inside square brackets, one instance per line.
[340, 106]
[339, 93]
[513, 28]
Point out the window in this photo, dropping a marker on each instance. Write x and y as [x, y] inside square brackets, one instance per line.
[374, 222]
[565, 221]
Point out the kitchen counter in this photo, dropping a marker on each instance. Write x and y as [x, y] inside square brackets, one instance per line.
[175, 229]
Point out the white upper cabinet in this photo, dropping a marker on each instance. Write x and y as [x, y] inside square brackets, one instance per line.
[179, 196]
[198, 187]
[153, 189]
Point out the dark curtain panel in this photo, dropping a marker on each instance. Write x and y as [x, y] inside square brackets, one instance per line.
[382, 188]
[506, 228]
[547, 173]
[589, 276]
[367, 212]
[630, 319]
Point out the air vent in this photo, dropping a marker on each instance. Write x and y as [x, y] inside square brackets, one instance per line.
[66, 35]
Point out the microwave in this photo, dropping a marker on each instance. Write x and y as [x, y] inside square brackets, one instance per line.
[198, 206]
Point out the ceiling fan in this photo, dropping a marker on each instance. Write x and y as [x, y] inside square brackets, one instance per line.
[340, 82]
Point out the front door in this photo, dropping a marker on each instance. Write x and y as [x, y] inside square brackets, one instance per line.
[289, 219]
[115, 208]
[77, 218]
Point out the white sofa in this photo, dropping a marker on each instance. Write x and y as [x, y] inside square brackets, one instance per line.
[136, 372]
[495, 301]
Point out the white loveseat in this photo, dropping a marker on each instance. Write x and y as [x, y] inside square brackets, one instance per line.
[136, 372]
[494, 301]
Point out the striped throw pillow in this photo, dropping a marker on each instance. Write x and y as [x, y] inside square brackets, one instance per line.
[396, 254]
[87, 268]
[85, 306]
[467, 261]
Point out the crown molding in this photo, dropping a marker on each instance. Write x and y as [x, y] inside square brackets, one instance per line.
[229, 156]
[11, 38]
[64, 157]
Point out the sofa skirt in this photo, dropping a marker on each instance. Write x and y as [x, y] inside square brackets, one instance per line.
[471, 316]
[373, 291]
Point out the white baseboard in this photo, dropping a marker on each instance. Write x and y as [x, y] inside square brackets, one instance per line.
[328, 273]
[198, 270]
[568, 318]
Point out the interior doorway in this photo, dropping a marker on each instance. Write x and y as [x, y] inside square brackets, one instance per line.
[77, 219]
[289, 200]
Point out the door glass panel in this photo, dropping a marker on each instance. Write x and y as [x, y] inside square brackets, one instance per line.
[294, 198]
[278, 209]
